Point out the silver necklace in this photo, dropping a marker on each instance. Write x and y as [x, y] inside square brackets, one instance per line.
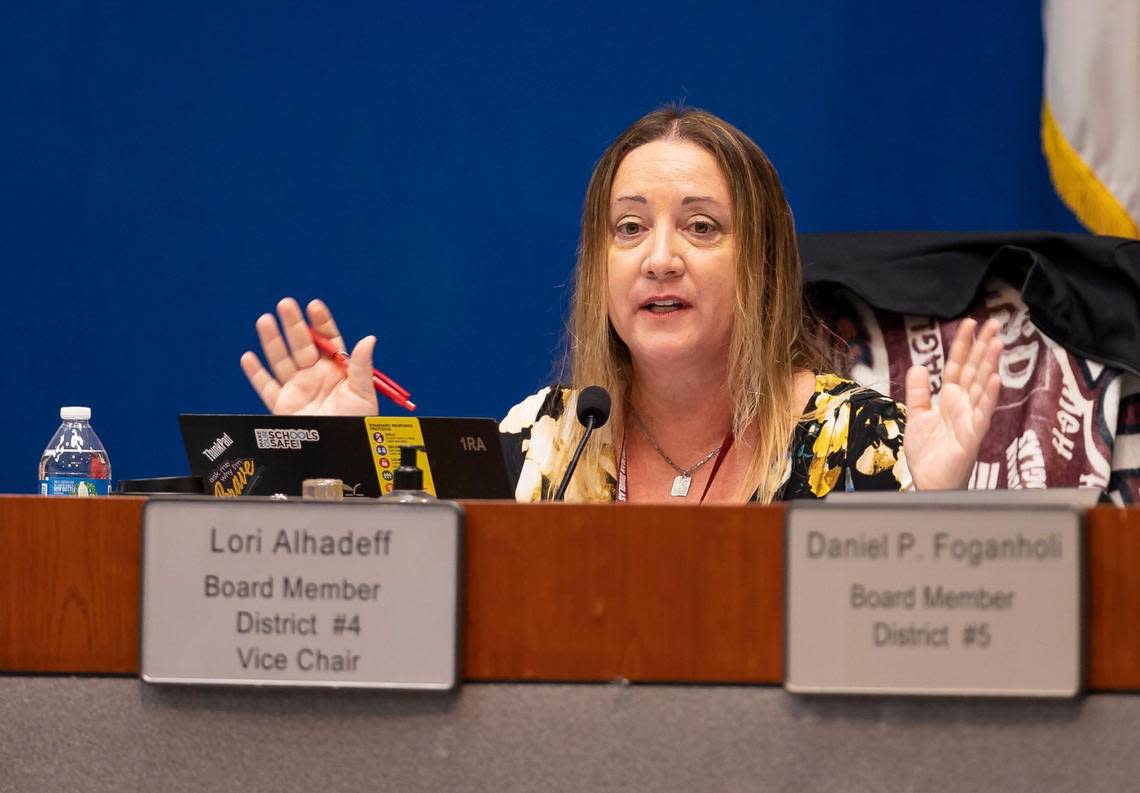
[684, 476]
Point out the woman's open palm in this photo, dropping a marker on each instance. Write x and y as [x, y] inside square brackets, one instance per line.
[299, 379]
[942, 441]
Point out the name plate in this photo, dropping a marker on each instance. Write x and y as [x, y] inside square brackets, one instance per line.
[935, 600]
[295, 593]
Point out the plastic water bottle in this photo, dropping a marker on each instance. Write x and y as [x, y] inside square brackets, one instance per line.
[75, 462]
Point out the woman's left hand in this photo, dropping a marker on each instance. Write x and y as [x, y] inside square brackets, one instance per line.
[942, 441]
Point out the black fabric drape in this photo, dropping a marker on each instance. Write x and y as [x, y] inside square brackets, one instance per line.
[1082, 290]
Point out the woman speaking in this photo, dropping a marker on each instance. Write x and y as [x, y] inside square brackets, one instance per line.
[688, 308]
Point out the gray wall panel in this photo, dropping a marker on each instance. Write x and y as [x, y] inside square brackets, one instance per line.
[99, 734]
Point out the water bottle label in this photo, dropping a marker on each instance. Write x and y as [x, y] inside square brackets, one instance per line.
[74, 486]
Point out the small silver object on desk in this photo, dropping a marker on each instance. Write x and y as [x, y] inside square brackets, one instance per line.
[322, 490]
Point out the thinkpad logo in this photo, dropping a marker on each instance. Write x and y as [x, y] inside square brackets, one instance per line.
[219, 446]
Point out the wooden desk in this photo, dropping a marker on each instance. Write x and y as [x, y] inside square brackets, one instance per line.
[553, 591]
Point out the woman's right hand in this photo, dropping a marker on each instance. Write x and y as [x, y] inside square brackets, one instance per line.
[302, 381]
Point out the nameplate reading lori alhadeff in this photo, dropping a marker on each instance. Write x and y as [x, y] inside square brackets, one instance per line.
[259, 592]
[934, 600]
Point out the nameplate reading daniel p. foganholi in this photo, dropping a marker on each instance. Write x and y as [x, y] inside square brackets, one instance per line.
[940, 600]
[296, 593]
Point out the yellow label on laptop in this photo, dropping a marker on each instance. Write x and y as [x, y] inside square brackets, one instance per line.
[385, 437]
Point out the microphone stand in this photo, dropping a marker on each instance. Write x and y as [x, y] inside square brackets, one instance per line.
[561, 491]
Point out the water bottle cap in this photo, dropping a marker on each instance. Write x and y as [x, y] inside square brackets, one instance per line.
[75, 414]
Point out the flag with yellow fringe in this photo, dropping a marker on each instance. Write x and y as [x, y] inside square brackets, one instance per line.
[1090, 116]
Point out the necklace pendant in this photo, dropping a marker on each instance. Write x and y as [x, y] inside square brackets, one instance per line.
[681, 486]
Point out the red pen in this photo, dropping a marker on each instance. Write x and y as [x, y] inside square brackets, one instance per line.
[383, 383]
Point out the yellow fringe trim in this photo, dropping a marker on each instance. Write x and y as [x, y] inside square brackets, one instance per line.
[1097, 208]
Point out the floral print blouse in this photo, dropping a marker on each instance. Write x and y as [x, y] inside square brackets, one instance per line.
[852, 439]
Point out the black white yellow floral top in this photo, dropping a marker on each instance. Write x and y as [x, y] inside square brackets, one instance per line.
[851, 440]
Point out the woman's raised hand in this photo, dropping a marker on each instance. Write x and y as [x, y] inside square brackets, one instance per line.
[299, 379]
[942, 441]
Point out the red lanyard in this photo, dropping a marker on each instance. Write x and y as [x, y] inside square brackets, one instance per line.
[724, 447]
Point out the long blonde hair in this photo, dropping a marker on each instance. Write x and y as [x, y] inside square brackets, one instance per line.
[772, 333]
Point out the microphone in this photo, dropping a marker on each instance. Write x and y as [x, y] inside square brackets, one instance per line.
[593, 412]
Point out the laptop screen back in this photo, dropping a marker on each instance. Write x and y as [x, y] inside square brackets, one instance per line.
[263, 455]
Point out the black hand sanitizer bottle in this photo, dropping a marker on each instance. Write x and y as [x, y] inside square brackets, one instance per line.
[408, 480]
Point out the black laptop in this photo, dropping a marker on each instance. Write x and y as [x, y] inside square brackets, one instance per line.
[263, 455]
